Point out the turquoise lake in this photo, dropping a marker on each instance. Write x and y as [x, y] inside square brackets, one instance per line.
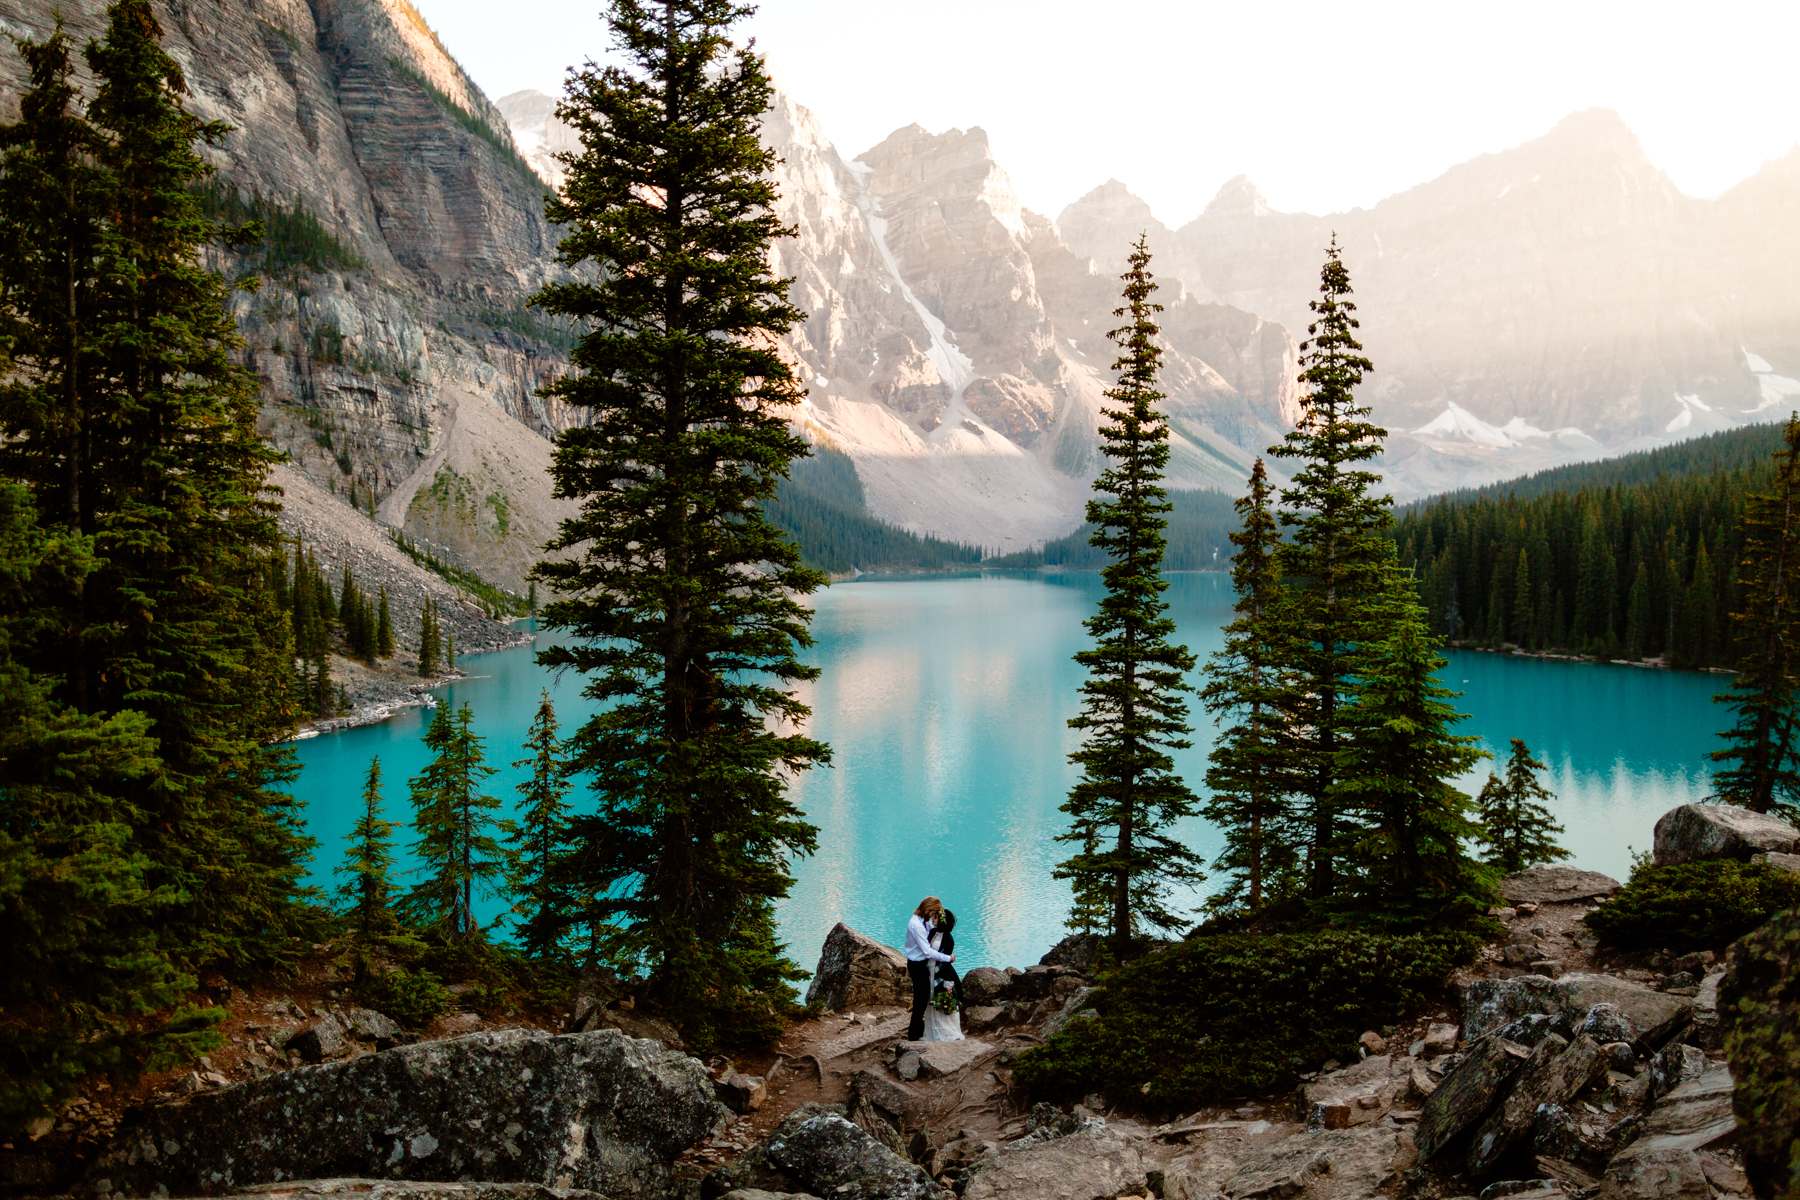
[945, 700]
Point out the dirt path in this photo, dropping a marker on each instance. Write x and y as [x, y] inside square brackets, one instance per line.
[393, 509]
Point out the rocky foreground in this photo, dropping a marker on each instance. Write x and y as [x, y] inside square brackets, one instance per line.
[1557, 1073]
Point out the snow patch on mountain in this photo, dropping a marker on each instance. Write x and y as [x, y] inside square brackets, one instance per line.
[1774, 389]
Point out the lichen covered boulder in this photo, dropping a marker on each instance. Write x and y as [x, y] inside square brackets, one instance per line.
[1696, 831]
[1759, 1006]
[597, 1111]
[856, 971]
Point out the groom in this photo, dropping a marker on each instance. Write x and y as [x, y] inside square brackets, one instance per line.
[920, 954]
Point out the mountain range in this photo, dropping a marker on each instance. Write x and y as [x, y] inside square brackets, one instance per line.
[1556, 301]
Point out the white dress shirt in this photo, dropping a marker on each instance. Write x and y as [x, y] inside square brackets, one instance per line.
[918, 942]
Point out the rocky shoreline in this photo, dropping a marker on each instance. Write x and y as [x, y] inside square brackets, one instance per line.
[1554, 1070]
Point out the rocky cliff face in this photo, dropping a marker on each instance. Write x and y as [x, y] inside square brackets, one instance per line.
[403, 377]
[1562, 299]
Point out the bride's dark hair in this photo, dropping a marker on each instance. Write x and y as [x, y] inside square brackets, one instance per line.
[945, 925]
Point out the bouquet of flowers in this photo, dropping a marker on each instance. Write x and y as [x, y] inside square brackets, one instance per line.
[944, 998]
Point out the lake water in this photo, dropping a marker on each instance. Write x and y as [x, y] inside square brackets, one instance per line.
[945, 700]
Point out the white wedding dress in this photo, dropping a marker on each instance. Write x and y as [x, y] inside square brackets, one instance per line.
[941, 1026]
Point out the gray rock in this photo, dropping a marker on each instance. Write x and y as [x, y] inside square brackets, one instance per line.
[986, 986]
[1439, 1039]
[1524, 1189]
[1656, 1015]
[1694, 1116]
[1344, 1164]
[742, 1093]
[1465, 1095]
[1093, 1163]
[1556, 885]
[1357, 1095]
[1786, 862]
[856, 971]
[596, 1111]
[1078, 951]
[323, 1039]
[1698, 831]
[1490, 1003]
[1675, 1066]
[938, 1059]
[828, 1155]
[1073, 1006]
[367, 1025]
[979, 1018]
[1605, 1023]
[1659, 1175]
[759, 1194]
[1557, 1072]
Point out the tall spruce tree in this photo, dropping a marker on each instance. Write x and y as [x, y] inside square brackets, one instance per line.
[366, 893]
[428, 640]
[90, 983]
[1333, 561]
[458, 851]
[141, 430]
[1516, 826]
[384, 627]
[538, 843]
[1760, 765]
[1133, 711]
[1248, 774]
[1397, 765]
[681, 602]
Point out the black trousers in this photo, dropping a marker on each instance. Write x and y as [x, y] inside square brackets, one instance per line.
[919, 973]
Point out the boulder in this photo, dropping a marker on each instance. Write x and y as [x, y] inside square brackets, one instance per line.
[856, 971]
[1093, 1163]
[1661, 1175]
[1605, 1024]
[759, 1194]
[979, 1018]
[1343, 1164]
[985, 986]
[1697, 831]
[1466, 1094]
[1557, 1072]
[1695, 1116]
[829, 1155]
[367, 1025]
[323, 1039]
[1556, 885]
[1656, 1015]
[1490, 1003]
[1786, 862]
[938, 1059]
[597, 1111]
[742, 1093]
[1074, 1005]
[1079, 952]
[1759, 1001]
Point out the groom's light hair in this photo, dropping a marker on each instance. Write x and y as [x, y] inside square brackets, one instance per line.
[930, 906]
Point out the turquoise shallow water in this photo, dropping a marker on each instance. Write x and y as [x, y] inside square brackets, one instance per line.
[945, 701]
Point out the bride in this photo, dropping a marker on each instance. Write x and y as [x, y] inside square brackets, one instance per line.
[941, 1026]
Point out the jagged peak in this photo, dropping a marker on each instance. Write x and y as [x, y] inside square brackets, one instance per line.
[1239, 197]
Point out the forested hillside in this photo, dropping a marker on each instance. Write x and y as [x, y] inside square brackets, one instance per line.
[1630, 558]
[822, 507]
[1200, 528]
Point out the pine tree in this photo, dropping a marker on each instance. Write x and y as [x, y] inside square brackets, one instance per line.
[1248, 773]
[458, 852]
[1699, 612]
[1516, 825]
[1396, 770]
[1333, 561]
[1637, 615]
[681, 600]
[538, 843]
[142, 430]
[384, 627]
[1524, 604]
[428, 640]
[1761, 764]
[366, 893]
[86, 972]
[1133, 711]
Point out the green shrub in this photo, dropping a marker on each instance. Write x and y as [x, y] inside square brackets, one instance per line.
[1231, 1014]
[1760, 1002]
[412, 998]
[1693, 906]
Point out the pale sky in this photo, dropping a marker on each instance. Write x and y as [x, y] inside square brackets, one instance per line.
[1325, 104]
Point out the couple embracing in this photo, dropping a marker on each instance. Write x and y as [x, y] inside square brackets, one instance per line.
[930, 955]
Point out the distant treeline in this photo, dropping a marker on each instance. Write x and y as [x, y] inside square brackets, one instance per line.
[1634, 557]
[823, 508]
[1199, 532]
